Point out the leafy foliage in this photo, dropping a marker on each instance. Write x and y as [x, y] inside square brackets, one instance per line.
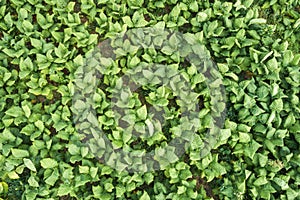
[255, 45]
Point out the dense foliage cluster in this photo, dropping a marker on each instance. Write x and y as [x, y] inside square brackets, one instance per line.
[255, 45]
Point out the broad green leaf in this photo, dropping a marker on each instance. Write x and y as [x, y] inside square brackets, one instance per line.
[27, 25]
[262, 159]
[40, 125]
[19, 153]
[32, 182]
[64, 190]
[48, 163]
[134, 61]
[60, 125]
[60, 51]
[225, 134]
[97, 191]
[108, 187]
[202, 16]
[120, 190]
[145, 196]
[283, 184]
[258, 21]
[51, 180]
[7, 135]
[181, 189]
[142, 112]
[84, 169]
[150, 127]
[292, 194]
[28, 129]
[14, 111]
[8, 20]
[272, 64]
[93, 171]
[13, 175]
[251, 150]
[260, 181]
[26, 110]
[29, 164]
[26, 65]
[127, 20]
[277, 105]
[36, 43]
[74, 149]
[244, 137]
[287, 58]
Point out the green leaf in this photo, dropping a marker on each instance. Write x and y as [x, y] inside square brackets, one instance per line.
[134, 61]
[287, 58]
[19, 153]
[284, 185]
[160, 25]
[26, 110]
[260, 181]
[145, 196]
[127, 20]
[167, 50]
[201, 17]
[13, 175]
[29, 164]
[289, 121]
[148, 74]
[194, 6]
[40, 125]
[148, 177]
[244, 128]
[181, 189]
[106, 170]
[74, 149]
[60, 51]
[41, 20]
[32, 182]
[251, 150]
[171, 156]
[150, 127]
[108, 187]
[93, 171]
[84, 151]
[7, 135]
[14, 111]
[3, 188]
[51, 180]
[198, 78]
[258, 21]
[84, 169]
[63, 190]
[28, 129]
[142, 112]
[225, 134]
[185, 174]
[244, 137]
[27, 25]
[36, 43]
[60, 125]
[262, 159]
[48, 163]
[292, 194]
[272, 64]
[120, 190]
[26, 65]
[8, 20]
[277, 105]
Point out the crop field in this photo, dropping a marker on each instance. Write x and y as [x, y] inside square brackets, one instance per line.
[149, 99]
